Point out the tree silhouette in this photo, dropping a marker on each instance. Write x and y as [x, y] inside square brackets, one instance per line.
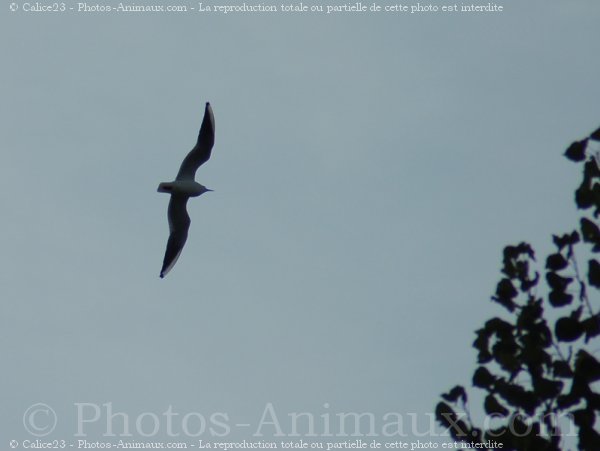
[533, 366]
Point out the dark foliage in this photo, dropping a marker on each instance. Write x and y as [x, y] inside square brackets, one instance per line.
[537, 372]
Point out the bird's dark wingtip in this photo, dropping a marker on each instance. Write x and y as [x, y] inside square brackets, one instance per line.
[162, 275]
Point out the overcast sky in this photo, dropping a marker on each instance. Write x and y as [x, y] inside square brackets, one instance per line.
[368, 170]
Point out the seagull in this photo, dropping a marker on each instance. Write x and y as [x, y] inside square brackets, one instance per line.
[185, 187]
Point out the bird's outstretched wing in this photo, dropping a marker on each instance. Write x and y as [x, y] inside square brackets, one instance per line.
[179, 224]
[201, 152]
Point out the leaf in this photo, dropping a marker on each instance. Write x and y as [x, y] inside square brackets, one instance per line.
[596, 198]
[583, 418]
[458, 392]
[546, 388]
[576, 151]
[593, 400]
[499, 327]
[590, 171]
[476, 435]
[584, 198]
[556, 262]
[517, 396]
[481, 343]
[560, 368]
[594, 273]
[568, 239]
[450, 420]
[565, 401]
[506, 289]
[591, 326]
[504, 343]
[493, 407]
[482, 378]
[505, 352]
[505, 293]
[557, 282]
[568, 329]
[515, 263]
[528, 283]
[530, 315]
[587, 367]
[589, 439]
[559, 298]
[525, 249]
[591, 233]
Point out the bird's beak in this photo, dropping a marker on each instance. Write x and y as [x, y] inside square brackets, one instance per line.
[208, 189]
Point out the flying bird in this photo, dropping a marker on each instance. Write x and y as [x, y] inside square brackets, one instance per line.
[185, 187]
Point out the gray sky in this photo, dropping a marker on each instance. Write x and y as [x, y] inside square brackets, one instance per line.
[368, 169]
